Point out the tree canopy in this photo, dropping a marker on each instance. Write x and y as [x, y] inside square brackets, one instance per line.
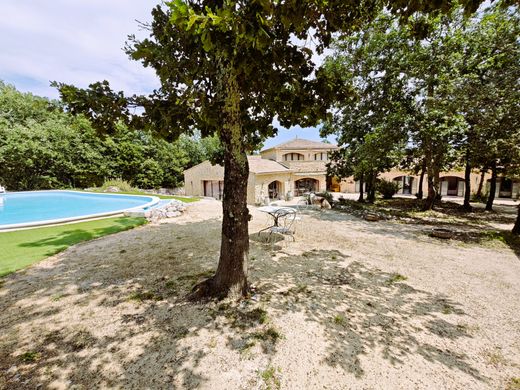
[43, 147]
[451, 93]
[230, 67]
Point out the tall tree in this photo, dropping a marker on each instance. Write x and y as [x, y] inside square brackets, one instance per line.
[487, 90]
[371, 123]
[230, 67]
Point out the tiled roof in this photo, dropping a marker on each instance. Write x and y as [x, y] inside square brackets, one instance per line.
[257, 164]
[300, 143]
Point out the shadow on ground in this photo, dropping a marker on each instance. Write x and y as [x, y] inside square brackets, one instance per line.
[111, 313]
[363, 310]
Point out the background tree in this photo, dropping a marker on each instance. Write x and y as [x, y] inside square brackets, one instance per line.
[371, 123]
[487, 91]
[462, 78]
[43, 147]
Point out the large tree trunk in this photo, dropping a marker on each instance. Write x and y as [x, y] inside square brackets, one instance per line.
[432, 190]
[371, 188]
[467, 185]
[421, 180]
[361, 184]
[493, 187]
[432, 195]
[230, 280]
[481, 183]
[516, 228]
[437, 183]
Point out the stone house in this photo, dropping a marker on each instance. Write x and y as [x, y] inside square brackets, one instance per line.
[283, 171]
[452, 183]
[298, 166]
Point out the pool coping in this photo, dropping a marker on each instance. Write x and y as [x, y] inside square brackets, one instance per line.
[47, 222]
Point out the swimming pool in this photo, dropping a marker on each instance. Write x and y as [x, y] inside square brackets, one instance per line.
[34, 208]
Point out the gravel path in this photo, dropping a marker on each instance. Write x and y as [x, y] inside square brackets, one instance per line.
[350, 304]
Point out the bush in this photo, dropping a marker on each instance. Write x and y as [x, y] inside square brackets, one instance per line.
[326, 195]
[123, 185]
[482, 198]
[387, 188]
[150, 175]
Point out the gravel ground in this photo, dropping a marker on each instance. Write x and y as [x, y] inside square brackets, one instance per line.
[349, 305]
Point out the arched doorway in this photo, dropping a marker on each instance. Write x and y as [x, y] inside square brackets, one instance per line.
[452, 186]
[306, 185]
[275, 190]
[405, 184]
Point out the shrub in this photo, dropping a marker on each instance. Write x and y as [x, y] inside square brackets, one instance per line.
[327, 195]
[123, 185]
[387, 188]
[482, 198]
[150, 175]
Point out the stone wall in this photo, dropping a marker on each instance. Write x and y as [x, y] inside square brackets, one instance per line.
[195, 176]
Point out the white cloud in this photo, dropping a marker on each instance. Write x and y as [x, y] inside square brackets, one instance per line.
[76, 42]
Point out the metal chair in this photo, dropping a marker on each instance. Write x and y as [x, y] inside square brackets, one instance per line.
[286, 219]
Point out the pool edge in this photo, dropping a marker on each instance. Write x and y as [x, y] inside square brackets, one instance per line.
[51, 222]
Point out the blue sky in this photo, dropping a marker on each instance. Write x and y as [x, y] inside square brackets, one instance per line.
[80, 42]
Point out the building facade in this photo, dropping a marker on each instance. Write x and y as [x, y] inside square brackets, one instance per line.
[452, 183]
[298, 166]
[286, 170]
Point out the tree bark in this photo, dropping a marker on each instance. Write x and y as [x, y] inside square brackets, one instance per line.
[230, 280]
[493, 187]
[421, 181]
[481, 183]
[516, 228]
[371, 189]
[437, 183]
[432, 195]
[467, 186]
[432, 190]
[361, 184]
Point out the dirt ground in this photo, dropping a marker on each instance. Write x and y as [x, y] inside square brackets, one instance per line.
[350, 304]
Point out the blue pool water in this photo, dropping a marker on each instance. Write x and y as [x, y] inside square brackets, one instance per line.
[40, 207]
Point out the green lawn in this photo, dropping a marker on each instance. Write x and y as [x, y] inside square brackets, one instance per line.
[181, 198]
[21, 248]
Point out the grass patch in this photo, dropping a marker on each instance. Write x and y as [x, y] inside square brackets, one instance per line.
[513, 384]
[141, 296]
[496, 358]
[340, 319]
[190, 280]
[160, 196]
[270, 334]
[29, 357]
[396, 278]
[22, 248]
[270, 377]
[297, 290]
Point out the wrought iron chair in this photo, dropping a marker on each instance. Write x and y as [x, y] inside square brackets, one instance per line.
[285, 226]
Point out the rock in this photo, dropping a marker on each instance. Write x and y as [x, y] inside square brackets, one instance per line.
[325, 204]
[112, 189]
[442, 233]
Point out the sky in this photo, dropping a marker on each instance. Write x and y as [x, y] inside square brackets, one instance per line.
[80, 42]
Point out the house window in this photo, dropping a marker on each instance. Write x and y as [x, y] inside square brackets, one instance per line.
[505, 188]
[321, 156]
[292, 156]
